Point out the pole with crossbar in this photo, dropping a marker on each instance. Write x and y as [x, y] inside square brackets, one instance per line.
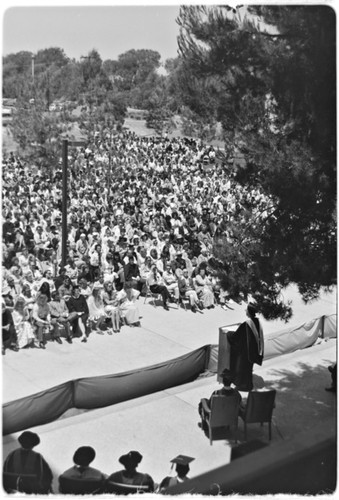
[64, 201]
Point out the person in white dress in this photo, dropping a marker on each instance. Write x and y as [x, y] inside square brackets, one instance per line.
[23, 327]
[111, 304]
[97, 314]
[128, 309]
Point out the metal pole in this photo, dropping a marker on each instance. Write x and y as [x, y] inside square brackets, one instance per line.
[64, 201]
[33, 57]
[322, 331]
[109, 176]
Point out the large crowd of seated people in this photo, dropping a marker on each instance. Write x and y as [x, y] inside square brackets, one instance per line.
[142, 217]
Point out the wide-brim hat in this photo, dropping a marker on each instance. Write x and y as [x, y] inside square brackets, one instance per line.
[132, 458]
[84, 455]
[28, 439]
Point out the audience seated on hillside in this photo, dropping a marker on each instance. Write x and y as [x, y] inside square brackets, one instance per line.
[164, 210]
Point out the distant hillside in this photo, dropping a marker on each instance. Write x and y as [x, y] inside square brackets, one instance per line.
[137, 125]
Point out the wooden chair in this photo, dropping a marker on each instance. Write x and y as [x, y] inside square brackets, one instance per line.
[222, 414]
[258, 409]
[125, 489]
[150, 294]
[74, 486]
[182, 300]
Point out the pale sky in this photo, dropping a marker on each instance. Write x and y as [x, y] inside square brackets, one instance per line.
[77, 27]
[110, 29]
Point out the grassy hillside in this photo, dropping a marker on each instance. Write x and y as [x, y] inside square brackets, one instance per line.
[8, 143]
[137, 126]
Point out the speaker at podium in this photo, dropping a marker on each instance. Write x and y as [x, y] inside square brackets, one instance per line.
[224, 349]
[224, 352]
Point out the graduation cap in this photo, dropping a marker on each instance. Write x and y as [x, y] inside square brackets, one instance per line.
[182, 460]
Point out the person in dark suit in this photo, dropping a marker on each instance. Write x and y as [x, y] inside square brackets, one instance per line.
[156, 285]
[77, 303]
[246, 348]
[9, 336]
[132, 274]
[8, 230]
[26, 469]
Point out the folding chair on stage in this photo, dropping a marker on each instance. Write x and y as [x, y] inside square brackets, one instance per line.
[222, 414]
[258, 409]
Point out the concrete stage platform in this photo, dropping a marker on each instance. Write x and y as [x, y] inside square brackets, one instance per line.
[164, 424]
[163, 335]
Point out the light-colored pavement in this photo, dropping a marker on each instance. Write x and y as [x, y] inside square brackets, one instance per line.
[164, 424]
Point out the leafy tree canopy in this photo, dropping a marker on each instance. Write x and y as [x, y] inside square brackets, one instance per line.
[270, 80]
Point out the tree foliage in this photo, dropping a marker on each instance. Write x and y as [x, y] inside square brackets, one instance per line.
[134, 74]
[37, 132]
[271, 82]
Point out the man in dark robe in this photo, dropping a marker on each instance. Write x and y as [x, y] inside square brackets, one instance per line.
[246, 348]
[26, 470]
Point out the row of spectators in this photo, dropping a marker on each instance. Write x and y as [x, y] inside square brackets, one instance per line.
[42, 307]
